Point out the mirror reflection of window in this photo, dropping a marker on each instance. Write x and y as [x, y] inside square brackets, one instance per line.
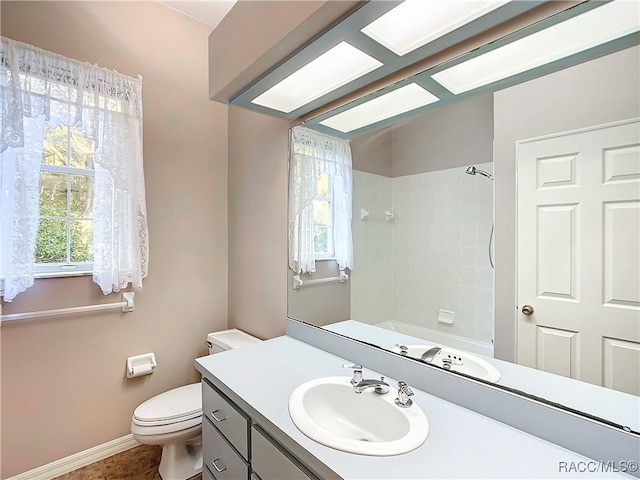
[320, 199]
[323, 247]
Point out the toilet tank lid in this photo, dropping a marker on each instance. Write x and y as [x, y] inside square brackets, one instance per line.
[176, 403]
[232, 338]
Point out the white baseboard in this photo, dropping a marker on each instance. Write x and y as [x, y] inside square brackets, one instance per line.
[78, 460]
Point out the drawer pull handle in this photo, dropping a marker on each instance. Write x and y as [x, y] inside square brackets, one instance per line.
[215, 465]
[213, 414]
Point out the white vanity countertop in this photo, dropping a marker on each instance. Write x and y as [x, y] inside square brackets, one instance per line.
[618, 407]
[461, 443]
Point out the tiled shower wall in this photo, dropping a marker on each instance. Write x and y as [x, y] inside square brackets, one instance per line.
[372, 275]
[433, 255]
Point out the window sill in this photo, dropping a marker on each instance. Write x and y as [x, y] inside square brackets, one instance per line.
[60, 274]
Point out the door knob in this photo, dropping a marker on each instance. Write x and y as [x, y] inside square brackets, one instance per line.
[527, 310]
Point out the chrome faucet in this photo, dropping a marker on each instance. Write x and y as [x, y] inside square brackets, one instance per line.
[429, 354]
[380, 386]
[404, 392]
[360, 385]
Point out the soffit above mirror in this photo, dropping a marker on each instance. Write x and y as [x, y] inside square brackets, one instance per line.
[576, 34]
[362, 48]
[587, 31]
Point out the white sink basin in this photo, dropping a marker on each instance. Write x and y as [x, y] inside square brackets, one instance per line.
[329, 411]
[460, 361]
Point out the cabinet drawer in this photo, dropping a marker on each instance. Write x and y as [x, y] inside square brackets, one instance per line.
[233, 424]
[219, 457]
[206, 474]
[271, 462]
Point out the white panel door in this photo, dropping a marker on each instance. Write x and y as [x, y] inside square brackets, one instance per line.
[579, 255]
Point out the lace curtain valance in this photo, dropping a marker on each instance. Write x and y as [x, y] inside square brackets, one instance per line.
[39, 91]
[311, 155]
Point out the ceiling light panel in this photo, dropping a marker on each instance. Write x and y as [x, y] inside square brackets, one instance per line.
[415, 23]
[333, 69]
[400, 100]
[597, 26]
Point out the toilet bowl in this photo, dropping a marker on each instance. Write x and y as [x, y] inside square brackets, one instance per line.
[173, 419]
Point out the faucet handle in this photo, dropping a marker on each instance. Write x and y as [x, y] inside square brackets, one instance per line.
[357, 372]
[404, 392]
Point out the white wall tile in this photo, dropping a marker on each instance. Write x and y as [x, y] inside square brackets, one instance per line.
[440, 250]
[434, 255]
[371, 277]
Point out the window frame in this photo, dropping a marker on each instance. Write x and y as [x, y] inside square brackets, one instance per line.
[67, 268]
[331, 247]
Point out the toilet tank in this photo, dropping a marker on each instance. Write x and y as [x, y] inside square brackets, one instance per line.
[228, 340]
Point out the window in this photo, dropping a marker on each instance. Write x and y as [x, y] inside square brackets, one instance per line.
[72, 194]
[320, 190]
[323, 220]
[65, 229]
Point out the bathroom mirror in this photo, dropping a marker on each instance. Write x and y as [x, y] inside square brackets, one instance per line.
[425, 207]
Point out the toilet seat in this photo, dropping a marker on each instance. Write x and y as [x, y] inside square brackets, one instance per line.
[171, 421]
[182, 405]
[145, 430]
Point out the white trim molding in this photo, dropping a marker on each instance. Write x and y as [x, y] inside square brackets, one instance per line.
[78, 460]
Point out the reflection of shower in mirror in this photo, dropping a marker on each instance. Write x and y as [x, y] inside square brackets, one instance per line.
[472, 170]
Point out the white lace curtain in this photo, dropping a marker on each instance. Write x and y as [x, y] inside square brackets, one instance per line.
[311, 155]
[40, 90]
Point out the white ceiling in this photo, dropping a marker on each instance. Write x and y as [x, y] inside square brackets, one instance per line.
[210, 12]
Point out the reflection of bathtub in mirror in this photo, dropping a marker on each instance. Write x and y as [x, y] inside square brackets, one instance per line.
[611, 405]
[442, 338]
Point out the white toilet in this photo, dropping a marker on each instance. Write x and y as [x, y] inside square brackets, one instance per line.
[173, 419]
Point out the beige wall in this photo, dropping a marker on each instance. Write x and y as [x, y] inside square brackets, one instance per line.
[63, 379]
[320, 304]
[456, 135]
[601, 91]
[257, 223]
[371, 152]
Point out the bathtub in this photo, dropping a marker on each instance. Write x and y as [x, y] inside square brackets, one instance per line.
[436, 336]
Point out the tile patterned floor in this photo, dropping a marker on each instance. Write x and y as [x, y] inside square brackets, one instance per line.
[138, 463]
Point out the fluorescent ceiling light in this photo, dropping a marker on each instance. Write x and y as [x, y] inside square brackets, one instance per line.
[388, 105]
[595, 27]
[334, 68]
[415, 23]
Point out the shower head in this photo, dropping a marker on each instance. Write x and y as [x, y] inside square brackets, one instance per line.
[472, 170]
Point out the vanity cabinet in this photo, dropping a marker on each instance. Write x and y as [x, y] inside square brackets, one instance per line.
[206, 474]
[220, 457]
[270, 461]
[234, 447]
[227, 418]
